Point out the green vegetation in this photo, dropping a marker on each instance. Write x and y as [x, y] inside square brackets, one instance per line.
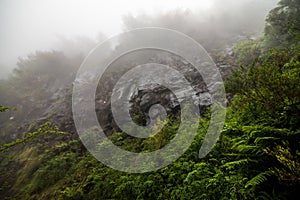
[283, 24]
[44, 129]
[256, 157]
[4, 108]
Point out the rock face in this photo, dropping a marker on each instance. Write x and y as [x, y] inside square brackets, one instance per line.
[60, 111]
[137, 95]
[138, 92]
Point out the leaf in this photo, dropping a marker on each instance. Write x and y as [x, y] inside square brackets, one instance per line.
[258, 179]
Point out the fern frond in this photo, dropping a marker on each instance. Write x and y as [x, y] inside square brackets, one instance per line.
[274, 196]
[237, 163]
[248, 149]
[264, 140]
[258, 179]
[264, 196]
[238, 142]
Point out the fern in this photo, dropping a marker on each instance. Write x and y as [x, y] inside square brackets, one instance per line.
[258, 179]
[237, 163]
[249, 149]
[265, 140]
[237, 141]
[266, 196]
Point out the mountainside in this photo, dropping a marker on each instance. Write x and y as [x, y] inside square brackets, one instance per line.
[256, 157]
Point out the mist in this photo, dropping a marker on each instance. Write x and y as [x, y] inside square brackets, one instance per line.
[75, 27]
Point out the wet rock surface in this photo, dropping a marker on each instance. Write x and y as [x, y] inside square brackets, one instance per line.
[140, 94]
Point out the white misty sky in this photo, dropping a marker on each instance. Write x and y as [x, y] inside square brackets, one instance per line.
[30, 25]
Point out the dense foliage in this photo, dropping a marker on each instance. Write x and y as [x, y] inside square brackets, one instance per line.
[283, 24]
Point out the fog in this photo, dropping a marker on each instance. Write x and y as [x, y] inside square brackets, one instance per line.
[74, 26]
